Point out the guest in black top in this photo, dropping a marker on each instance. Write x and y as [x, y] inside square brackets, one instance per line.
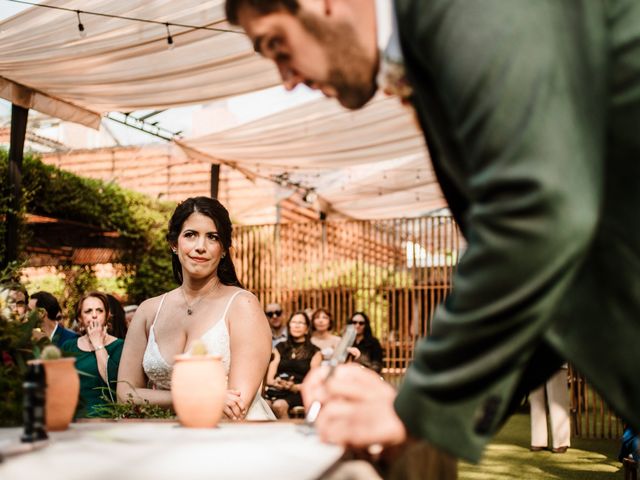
[369, 346]
[291, 361]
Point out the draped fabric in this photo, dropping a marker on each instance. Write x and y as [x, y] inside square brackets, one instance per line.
[364, 164]
[370, 163]
[124, 65]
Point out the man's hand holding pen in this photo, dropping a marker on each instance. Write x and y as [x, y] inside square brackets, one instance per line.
[357, 407]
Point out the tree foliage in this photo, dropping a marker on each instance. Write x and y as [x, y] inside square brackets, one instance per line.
[140, 221]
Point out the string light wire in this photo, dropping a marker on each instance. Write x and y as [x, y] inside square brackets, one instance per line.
[131, 19]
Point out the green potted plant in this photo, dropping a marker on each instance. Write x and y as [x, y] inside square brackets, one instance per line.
[17, 347]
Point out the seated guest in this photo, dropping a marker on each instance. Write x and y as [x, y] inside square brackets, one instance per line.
[97, 354]
[630, 447]
[322, 332]
[209, 306]
[368, 345]
[51, 318]
[292, 359]
[117, 322]
[278, 326]
[129, 312]
[18, 301]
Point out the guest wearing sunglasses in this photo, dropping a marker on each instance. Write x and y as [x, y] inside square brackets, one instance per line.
[278, 326]
[366, 343]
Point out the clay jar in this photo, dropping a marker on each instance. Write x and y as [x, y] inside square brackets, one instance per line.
[198, 390]
[63, 388]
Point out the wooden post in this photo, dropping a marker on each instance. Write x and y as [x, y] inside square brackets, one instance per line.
[215, 180]
[19, 117]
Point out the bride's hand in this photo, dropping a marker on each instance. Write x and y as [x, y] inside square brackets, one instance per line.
[233, 407]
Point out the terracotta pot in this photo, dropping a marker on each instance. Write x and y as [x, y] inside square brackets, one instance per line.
[198, 390]
[63, 389]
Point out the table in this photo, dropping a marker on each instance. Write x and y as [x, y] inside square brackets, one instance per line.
[164, 450]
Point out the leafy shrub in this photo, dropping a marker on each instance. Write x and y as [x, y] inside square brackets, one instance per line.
[140, 221]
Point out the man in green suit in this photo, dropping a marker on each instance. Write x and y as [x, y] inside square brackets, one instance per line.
[531, 111]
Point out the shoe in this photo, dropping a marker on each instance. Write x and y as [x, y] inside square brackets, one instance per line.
[537, 449]
[559, 449]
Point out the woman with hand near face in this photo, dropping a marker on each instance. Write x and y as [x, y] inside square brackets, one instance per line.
[97, 354]
[210, 306]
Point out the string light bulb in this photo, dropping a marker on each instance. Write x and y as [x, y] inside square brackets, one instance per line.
[169, 38]
[310, 196]
[81, 30]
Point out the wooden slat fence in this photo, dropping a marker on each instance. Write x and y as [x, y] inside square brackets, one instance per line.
[395, 270]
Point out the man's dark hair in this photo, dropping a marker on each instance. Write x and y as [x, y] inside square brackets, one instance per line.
[50, 304]
[263, 7]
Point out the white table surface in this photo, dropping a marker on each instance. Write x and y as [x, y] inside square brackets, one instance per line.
[163, 450]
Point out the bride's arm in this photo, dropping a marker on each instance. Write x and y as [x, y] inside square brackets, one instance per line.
[131, 378]
[250, 342]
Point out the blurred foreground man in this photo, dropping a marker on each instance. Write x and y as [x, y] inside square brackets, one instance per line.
[531, 111]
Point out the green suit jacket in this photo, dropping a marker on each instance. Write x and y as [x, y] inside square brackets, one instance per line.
[531, 111]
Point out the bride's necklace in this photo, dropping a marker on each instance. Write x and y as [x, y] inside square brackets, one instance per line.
[190, 306]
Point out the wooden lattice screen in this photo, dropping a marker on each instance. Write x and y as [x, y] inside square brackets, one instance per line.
[395, 270]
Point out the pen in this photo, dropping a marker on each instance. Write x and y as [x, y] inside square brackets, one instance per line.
[339, 356]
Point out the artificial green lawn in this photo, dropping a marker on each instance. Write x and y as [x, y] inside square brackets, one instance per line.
[508, 456]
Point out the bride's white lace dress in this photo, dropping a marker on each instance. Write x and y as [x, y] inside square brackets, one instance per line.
[216, 339]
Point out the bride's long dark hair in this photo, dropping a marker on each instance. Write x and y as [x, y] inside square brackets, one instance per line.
[215, 211]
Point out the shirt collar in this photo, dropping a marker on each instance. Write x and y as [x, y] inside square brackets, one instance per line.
[54, 331]
[387, 32]
[391, 76]
[384, 23]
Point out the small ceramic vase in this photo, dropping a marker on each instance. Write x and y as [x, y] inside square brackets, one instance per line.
[198, 390]
[63, 389]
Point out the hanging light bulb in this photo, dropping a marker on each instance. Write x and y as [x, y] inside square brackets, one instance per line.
[81, 30]
[310, 196]
[170, 43]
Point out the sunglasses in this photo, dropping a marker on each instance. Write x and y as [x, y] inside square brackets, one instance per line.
[357, 322]
[275, 313]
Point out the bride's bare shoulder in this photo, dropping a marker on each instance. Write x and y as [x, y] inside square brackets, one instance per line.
[150, 306]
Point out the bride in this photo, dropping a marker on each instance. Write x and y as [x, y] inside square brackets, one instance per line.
[209, 305]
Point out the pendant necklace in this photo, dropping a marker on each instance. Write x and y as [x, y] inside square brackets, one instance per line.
[190, 306]
[296, 351]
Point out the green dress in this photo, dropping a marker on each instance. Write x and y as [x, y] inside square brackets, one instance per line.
[92, 386]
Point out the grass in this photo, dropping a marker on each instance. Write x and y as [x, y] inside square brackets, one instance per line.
[508, 456]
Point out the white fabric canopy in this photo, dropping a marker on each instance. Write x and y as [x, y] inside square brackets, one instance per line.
[366, 164]
[370, 163]
[124, 65]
